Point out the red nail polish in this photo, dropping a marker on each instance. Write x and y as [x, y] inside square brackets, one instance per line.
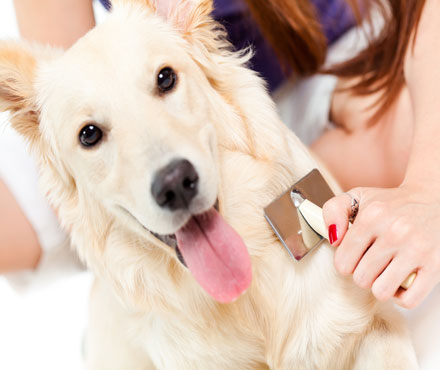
[332, 233]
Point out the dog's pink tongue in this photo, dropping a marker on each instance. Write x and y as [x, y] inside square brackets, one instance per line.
[216, 256]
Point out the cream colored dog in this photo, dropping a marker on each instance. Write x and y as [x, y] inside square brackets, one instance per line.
[143, 128]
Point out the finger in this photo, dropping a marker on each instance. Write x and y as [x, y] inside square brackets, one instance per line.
[388, 283]
[372, 264]
[336, 212]
[360, 235]
[421, 287]
[356, 242]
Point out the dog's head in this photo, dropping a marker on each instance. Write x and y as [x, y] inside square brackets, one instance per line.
[127, 124]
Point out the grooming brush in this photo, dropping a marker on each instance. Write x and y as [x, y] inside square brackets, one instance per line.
[296, 217]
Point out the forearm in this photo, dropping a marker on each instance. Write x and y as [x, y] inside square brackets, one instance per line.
[422, 74]
[55, 22]
[19, 247]
[58, 23]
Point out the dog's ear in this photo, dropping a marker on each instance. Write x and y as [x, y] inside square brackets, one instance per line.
[185, 15]
[17, 95]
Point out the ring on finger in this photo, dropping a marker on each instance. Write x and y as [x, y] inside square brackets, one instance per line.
[354, 208]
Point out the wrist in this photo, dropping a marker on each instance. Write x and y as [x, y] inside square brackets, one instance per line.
[421, 186]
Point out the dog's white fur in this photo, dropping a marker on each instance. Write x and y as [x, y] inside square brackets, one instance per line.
[147, 311]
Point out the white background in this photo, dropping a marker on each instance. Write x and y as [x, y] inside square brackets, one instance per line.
[42, 328]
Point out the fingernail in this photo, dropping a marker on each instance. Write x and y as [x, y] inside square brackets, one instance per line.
[332, 233]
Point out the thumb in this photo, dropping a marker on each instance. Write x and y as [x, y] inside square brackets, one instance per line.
[337, 211]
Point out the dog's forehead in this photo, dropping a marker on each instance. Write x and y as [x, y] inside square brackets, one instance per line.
[129, 45]
[125, 36]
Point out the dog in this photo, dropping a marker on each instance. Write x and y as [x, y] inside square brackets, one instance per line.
[160, 148]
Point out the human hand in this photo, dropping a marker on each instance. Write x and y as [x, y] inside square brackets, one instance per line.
[396, 232]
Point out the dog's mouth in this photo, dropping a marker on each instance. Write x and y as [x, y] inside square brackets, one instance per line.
[171, 240]
[214, 253]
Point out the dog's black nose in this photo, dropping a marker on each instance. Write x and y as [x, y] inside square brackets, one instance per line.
[175, 185]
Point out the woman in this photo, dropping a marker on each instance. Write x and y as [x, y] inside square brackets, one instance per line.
[386, 137]
[408, 237]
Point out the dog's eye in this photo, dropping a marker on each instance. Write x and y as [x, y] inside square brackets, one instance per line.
[90, 135]
[166, 79]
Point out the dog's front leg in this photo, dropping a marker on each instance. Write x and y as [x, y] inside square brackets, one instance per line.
[387, 346]
[109, 342]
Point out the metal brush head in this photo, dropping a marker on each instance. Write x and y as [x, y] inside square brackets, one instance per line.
[286, 220]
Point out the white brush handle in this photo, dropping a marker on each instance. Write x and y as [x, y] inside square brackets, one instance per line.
[313, 215]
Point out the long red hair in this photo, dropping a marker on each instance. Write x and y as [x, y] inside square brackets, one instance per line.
[292, 28]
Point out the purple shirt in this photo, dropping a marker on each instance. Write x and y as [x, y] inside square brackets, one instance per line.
[335, 16]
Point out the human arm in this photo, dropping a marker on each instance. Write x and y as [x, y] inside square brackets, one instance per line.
[422, 76]
[19, 246]
[397, 230]
[55, 22]
[59, 23]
